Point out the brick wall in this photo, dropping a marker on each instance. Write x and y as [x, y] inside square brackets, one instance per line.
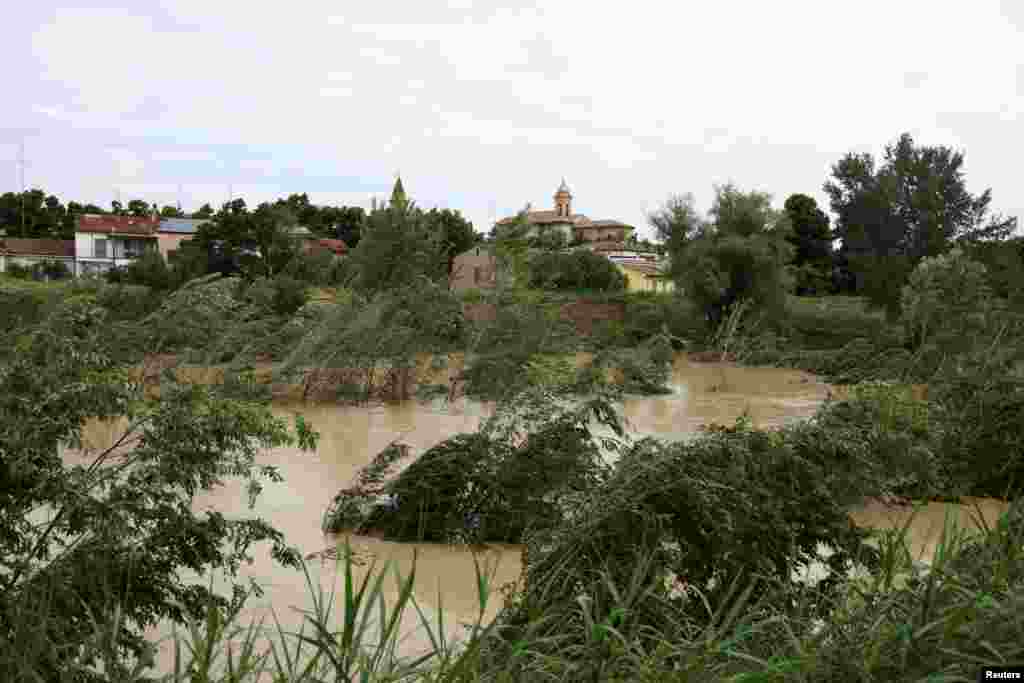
[582, 313]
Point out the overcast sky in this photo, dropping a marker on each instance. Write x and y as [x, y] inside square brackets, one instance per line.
[484, 106]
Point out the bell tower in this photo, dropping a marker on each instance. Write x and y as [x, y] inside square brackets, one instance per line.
[563, 201]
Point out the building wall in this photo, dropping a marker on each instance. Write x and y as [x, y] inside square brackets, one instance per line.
[170, 241]
[84, 244]
[474, 269]
[603, 234]
[88, 262]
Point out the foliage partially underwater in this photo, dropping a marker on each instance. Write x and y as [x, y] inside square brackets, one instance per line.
[527, 467]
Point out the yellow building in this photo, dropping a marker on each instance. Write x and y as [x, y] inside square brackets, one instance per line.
[645, 277]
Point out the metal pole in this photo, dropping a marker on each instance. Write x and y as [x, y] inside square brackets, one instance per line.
[21, 170]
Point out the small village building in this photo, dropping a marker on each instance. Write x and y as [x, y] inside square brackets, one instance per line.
[476, 268]
[30, 252]
[645, 277]
[105, 241]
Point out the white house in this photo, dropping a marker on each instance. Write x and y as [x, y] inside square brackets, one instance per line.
[103, 242]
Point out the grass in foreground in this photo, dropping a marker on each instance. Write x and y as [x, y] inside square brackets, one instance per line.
[904, 622]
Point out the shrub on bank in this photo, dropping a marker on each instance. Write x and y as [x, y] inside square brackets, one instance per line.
[982, 408]
[649, 315]
[735, 503]
[823, 323]
[490, 486]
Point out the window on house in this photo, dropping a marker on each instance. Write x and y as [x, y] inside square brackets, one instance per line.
[99, 248]
[134, 248]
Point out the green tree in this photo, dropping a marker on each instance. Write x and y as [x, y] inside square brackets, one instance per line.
[171, 212]
[347, 223]
[812, 244]
[397, 248]
[511, 243]
[455, 233]
[580, 269]
[946, 302]
[915, 204]
[399, 199]
[205, 211]
[740, 255]
[549, 239]
[33, 213]
[676, 224]
[1004, 262]
[139, 208]
[260, 241]
[745, 214]
[120, 526]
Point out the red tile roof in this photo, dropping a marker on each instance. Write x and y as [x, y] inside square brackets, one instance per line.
[118, 225]
[37, 247]
[337, 246]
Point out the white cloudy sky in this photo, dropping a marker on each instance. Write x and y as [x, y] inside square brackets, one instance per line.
[484, 106]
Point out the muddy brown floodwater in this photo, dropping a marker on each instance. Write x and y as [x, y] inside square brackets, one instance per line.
[351, 436]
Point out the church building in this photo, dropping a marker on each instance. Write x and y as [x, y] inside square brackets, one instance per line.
[575, 226]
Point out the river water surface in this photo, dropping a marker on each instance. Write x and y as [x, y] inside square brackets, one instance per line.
[351, 436]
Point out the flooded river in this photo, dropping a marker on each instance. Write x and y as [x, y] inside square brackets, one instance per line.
[351, 436]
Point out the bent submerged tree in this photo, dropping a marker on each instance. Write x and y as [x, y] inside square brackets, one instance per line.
[520, 471]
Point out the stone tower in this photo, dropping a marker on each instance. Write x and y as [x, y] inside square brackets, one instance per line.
[563, 201]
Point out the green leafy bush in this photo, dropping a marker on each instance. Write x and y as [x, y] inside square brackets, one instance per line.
[645, 369]
[19, 271]
[319, 267]
[127, 301]
[734, 503]
[148, 270]
[982, 404]
[832, 322]
[25, 303]
[280, 295]
[947, 301]
[580, 269]
[648, 315]
[491, 486]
